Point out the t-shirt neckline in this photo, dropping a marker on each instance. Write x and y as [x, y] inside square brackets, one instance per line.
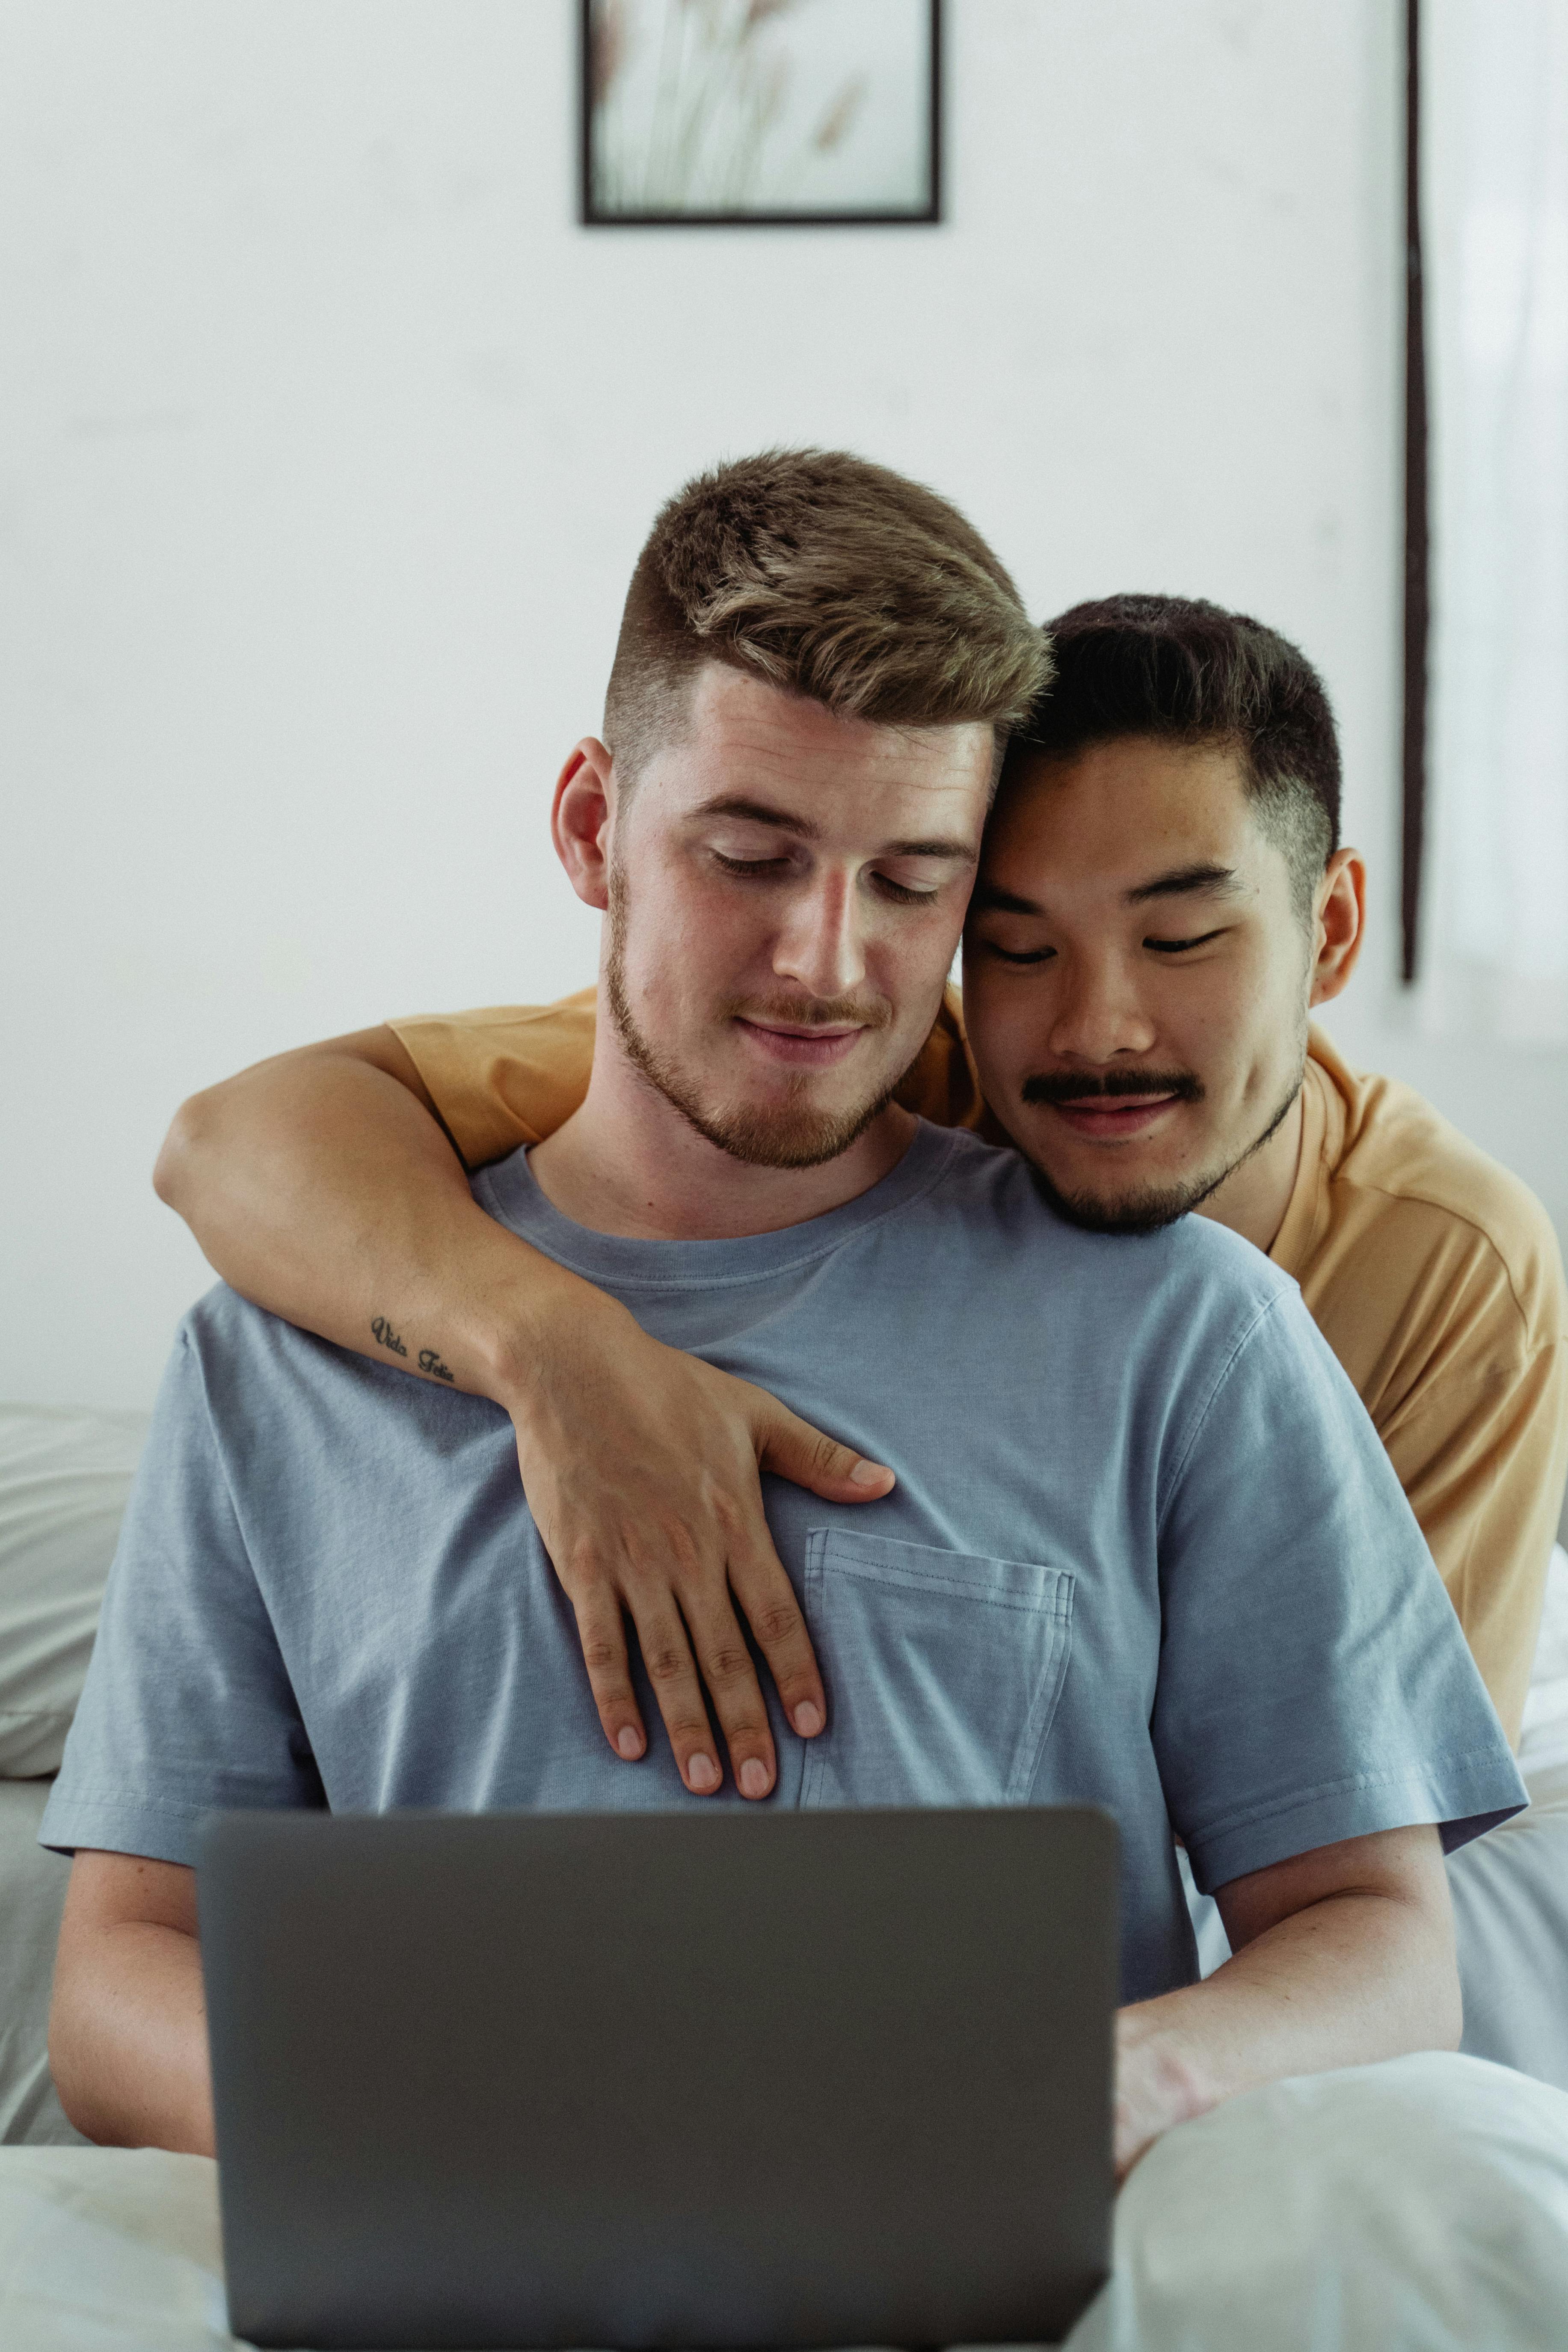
[511, 1193]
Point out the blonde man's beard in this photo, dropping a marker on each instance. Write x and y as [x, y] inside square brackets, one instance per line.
[789, 1134]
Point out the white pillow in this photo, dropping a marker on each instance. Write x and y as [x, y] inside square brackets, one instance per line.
[64, 1478]
[1543, 1742]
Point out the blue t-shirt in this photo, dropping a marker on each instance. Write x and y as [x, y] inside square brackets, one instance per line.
[1145, 1551]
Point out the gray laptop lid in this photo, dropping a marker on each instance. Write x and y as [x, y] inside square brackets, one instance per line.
[666, 2079]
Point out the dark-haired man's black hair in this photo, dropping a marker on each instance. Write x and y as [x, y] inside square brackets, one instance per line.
[1184, 671]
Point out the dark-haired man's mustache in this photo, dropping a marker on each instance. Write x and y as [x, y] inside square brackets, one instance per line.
[1078, 1085]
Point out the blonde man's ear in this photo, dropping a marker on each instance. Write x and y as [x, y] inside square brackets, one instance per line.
[582, 818]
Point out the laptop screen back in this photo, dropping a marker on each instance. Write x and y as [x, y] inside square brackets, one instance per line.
[667, 2079]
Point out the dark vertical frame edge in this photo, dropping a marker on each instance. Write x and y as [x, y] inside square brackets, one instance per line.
[1417, 544]
[934, 213]
[585, 114]
[588, 218]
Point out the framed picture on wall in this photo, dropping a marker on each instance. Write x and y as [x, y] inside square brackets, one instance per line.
[720, 114]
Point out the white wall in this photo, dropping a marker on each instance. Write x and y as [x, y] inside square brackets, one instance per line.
[327, 441]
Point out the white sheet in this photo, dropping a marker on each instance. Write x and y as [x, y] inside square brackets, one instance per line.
[1420, 2206]
[110, 2249]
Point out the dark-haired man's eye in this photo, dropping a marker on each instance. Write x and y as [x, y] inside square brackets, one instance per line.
[1017, 955]
[1179, 947]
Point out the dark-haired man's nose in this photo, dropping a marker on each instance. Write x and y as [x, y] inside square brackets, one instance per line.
[819, 945]
[1098, 1014]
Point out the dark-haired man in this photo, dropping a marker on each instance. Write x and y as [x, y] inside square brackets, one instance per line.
[1144, 1549]
[1163, 899]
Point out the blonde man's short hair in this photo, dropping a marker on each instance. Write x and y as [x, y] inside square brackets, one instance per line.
[829, 577]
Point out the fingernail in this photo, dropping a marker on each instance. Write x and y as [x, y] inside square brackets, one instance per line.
[867, 1474]
[754, 1777]
[628, 1743]
[808, 1718]
[702, 1773]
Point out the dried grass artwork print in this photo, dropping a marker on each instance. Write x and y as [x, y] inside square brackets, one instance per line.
[760, 110]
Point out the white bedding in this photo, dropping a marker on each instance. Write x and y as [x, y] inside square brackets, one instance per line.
[64, 1478]
[1420, 2206]
[1509, 1891]
[32, 1890]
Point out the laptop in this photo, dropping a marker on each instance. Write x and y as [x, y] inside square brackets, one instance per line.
[662, 2078]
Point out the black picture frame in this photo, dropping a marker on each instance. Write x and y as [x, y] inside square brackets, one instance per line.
[590, 215]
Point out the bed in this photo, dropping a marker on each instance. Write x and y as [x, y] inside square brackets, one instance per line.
[1438, 2163]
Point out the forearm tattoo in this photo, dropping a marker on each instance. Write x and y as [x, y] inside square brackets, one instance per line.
[429, 1358]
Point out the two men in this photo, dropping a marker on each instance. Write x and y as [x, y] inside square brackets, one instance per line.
[1164, 900]
[1142, 1545]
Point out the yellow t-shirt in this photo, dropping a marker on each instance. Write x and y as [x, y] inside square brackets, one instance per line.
[1433, 1273]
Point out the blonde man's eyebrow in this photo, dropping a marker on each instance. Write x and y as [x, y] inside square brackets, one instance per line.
[736, 804]
[806, 828]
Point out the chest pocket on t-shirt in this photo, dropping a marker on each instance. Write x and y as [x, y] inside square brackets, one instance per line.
[943, 1671]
